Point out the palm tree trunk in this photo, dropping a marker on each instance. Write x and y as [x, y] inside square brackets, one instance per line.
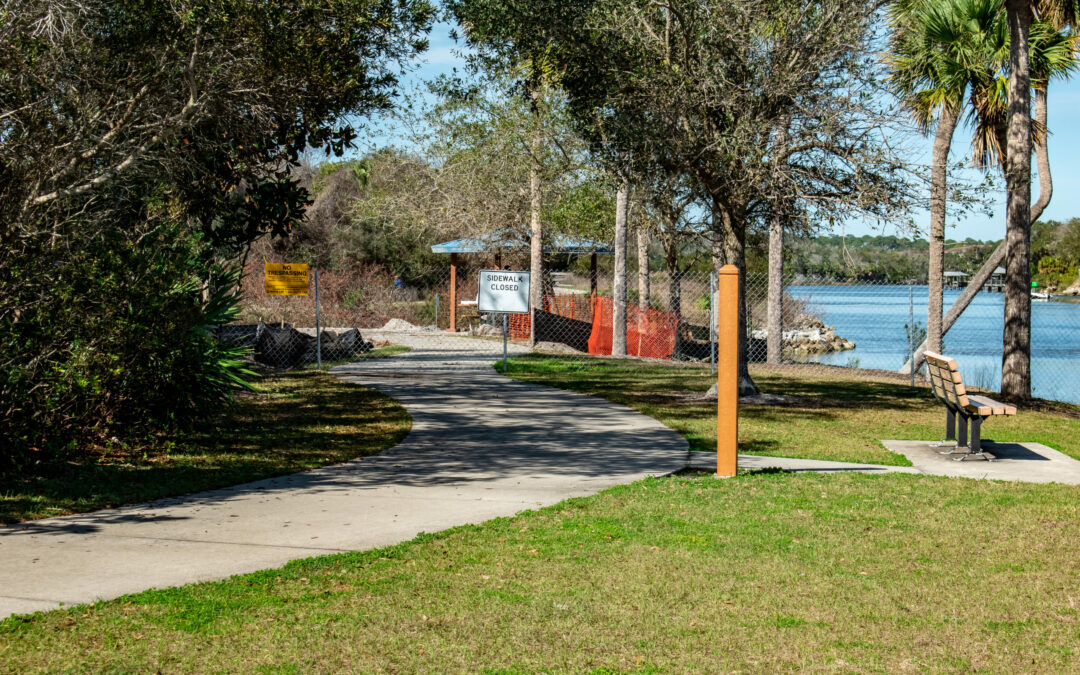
[979, 279]
[1042, 156]
[622, 207]
[942, 140]
[1016, 337]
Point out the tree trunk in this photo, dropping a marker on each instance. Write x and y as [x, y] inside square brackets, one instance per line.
[1042, 157]
[774, 339]
[774, 343]
[979, 279]
[936, 281]
[536, 228]
[643, 267]
[732, 232]
[622, 204]
[1016, 337]
[671, 259]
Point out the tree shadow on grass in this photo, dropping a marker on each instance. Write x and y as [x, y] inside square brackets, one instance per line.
[307, 420]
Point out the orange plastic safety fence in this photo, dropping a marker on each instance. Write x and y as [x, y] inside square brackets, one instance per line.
[649, 332]
[569, 306]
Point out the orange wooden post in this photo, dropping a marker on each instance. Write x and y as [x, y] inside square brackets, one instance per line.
[453, 292]
[727, 370]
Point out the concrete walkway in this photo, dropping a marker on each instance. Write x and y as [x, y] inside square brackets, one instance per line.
[481, 446]
[1024, 462]
[706, 461]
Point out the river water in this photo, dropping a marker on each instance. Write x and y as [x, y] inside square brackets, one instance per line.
[873, 317]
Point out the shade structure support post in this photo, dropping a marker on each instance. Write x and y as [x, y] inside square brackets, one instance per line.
[453, 292]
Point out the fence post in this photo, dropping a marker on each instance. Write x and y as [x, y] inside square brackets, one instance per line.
[911, 330]
[436, 311]
[318, 324]
[727, 370]
[712, 319]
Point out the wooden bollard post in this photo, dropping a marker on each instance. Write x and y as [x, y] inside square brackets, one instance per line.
[727, 370]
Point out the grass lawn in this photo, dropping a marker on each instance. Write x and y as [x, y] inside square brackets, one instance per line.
[304, 419]
[835, 416]
[760, 573]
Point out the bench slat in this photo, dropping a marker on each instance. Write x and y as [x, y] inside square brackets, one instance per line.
[984, 403]
[945, 380]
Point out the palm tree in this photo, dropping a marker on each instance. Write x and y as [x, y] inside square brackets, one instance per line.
[942, 49]
[1016, 338]
[932, 61]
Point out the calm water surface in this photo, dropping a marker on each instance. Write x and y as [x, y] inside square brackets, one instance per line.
[873, 317]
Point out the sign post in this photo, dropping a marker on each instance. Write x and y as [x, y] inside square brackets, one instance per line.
[505, 292]
[318, 326]
[506, 331]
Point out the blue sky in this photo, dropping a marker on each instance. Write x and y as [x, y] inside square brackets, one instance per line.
[1064, 124]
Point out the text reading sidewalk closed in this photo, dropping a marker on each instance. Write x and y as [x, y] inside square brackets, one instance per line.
[503, 291]
[286, 279]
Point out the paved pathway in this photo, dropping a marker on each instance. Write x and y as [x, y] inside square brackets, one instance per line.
[481, 446]
[1025, 462]
[706, 461]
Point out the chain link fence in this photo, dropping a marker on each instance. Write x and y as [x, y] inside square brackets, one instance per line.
[827, 324]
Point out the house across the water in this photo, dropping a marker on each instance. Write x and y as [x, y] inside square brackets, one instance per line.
[955, 279]
[996, 282]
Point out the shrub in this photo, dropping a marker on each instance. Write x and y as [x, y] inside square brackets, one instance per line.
[117, 342]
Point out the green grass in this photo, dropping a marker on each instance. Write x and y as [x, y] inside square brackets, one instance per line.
[302, 420]
[761, 573]
[835, 416]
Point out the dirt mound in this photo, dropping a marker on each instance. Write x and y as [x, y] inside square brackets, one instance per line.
[399, 326]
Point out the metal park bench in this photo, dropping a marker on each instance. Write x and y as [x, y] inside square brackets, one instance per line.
[948, 387]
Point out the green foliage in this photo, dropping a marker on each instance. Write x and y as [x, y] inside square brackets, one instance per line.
[1069, 242]
[1055, 253]
[146, 144]
[867, 258]
[121, 344]
[1052, 265]
[586, 209]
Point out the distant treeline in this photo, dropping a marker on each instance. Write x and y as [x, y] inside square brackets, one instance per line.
[1055, 249]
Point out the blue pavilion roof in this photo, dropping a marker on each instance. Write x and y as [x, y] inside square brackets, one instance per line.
[558, 243]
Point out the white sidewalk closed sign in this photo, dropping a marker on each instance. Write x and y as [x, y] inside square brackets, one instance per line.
[503, 291]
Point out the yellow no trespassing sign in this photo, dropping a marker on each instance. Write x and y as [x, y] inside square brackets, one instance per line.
[286, 278]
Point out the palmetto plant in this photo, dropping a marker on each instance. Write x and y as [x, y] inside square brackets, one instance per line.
[225, 368]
